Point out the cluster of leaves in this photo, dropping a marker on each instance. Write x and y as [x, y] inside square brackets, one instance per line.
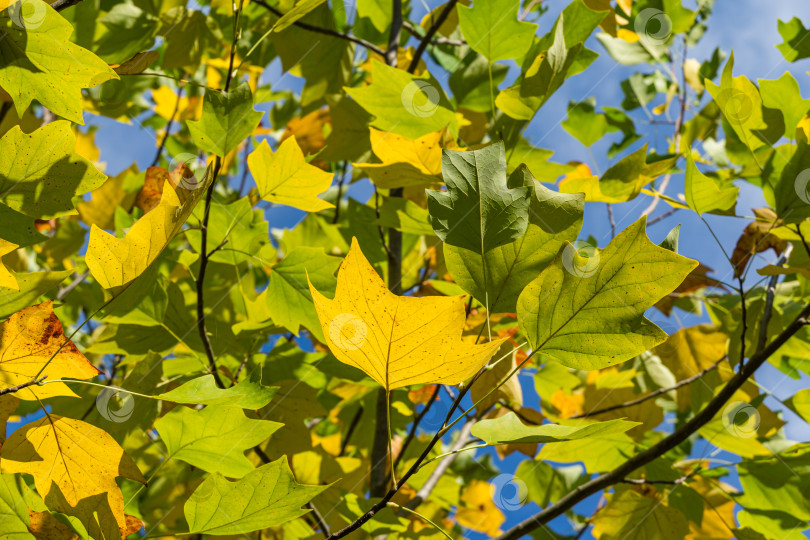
[220, 377]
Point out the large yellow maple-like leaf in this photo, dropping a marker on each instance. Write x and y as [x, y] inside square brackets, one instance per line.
[285, 177]
[396, 340]
[7, 279]
[74, 465]
[28, 339]
[115, 262]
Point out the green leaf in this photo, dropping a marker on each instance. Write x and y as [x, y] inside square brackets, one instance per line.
[298, 10]
[573, 311]
[40, 173]
[18, 228]
[248, 394]
[265, 497]
[14, 518]
[741, 104]
[38, 61]
[32, 286]
[215, 438]
[544, 76]
[289, 301]
[227, 120]
[796, 45]
[770, 525]
[583, 123]
[188, 36]
[800, 404]
[404, 104]
[130, 30]
[784, 94]
[778, 482]
[491, 28]
[629, 515]
[554, 219]
[508, 429]
[704, 194]
[480, 210]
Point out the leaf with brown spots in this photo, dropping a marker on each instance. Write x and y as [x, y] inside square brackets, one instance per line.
[74, 465]
[28, 340]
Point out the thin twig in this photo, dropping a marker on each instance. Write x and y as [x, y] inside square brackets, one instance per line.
[349, 432]
[169, 124]
[415, 424]
[72, 285]
[662, 217]
[653, 394]
[420, 50]
[326, 31]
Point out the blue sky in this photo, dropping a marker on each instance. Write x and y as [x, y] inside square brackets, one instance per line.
[748, 27]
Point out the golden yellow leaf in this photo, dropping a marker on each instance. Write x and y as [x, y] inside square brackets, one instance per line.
[8, 406]
[7, 279]
[405, 162]
[308, 130]
[27, 340]
[285, 177]
[86, 144]
[718, 514]
[479, 513]
[100, 209]
[568, 405]
[115, 262]
[396, 340]
[166, 101]
[74, 465]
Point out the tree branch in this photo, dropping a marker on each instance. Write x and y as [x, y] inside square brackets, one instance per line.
[33, 382]
[420, 50]
[325, 31]
[415, 425]
[668, 443]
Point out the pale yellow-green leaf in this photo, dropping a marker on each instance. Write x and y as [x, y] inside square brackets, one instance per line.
[285, 177]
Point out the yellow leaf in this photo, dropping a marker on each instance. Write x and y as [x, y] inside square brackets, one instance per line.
[396, 340]
[166, 101]
[718, 516]
[479, 513]
[285, 177]
[568, 405]
[405, 162]
[100, 209]
[86, 144]
[28, 339]
[308, 130]
[115, 262]
[7, 279]
[688, 352]
[74, 465]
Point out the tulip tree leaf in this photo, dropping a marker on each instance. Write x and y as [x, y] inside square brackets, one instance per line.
[214, 439]
[575, 309]
[265, 497]
[227, 120]
[492, 28]
[39, 62]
